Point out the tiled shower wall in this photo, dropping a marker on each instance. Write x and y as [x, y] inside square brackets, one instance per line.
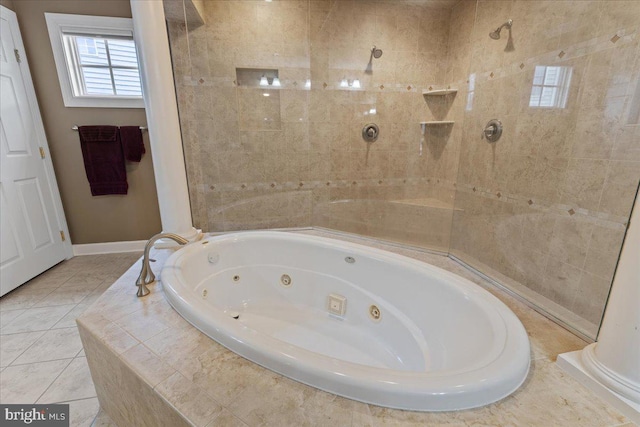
[296, 157]
[544, 209]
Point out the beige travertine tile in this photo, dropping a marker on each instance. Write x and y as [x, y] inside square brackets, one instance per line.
[226, 419]
[25, 383]
[552, 397]
[191, 341]
[8, 315]
[223, 374]
[36, 319]
[285, 402]
[570, 240]
[117, 388]
[620, 185]
[13, 345]
[561, 281]
[82, 412]
[584, 183]
[591, 297]
[604, 250]
[73, 383]
[23, 297]
[82, 280]
[52, 345]
[617, 15]
[192, 401]
[64, 296]
[594, 139]
[52, 278]
[150, 368]
[141, 329]
[627, 146]
[257, 111]
[104, 329]
[69, 320]
[103, 420]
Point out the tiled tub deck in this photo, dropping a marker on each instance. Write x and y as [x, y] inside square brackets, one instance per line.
[151, 367]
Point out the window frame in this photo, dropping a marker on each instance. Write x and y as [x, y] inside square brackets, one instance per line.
[561, 94]
[59, 24]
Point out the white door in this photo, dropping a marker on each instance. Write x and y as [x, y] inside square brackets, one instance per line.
[33, 231]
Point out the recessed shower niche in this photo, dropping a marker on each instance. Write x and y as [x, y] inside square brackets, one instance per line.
[258, 99]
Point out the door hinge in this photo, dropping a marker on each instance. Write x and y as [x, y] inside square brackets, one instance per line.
[42, 152]
[62, 236]
[17, 55]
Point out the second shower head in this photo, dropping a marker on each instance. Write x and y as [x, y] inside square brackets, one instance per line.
[496, 34]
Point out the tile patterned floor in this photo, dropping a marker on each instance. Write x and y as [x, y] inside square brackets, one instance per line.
[41, 356]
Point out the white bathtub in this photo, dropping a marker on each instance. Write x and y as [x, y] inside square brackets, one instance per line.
[440, 342]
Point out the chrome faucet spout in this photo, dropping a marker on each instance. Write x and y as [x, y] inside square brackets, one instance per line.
[146, 276]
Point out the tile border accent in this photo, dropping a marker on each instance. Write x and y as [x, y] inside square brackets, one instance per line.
[595, 217]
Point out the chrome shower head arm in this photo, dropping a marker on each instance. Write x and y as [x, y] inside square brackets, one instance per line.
[496, 34]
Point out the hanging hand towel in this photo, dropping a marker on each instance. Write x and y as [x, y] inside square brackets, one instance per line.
[103, 159]
[132, 144]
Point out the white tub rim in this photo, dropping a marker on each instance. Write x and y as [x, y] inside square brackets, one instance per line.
[474, 381]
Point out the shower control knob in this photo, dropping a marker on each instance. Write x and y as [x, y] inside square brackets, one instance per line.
[493, 130]
[370, 132]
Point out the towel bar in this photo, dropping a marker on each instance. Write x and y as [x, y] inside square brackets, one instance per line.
[75, 127]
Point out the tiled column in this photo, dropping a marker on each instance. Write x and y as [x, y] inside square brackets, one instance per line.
[162, 117]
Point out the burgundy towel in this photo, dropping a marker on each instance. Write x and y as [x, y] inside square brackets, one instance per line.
[103, 159]
[132, 144]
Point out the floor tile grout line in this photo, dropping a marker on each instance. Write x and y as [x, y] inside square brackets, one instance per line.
[41, 330]
[78, 353]
[38, 330]
[72, 400]
[46, 361]
[55, 379]
[18, 356]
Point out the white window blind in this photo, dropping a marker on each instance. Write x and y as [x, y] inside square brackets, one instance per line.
[550, 87]
[104, 66]
[96, 60]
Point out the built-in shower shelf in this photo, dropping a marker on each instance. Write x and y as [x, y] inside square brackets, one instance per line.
[439, 92]
[438, 123]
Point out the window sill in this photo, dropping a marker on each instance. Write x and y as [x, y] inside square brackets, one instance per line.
[103, 102]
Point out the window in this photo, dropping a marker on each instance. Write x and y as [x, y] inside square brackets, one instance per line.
[96, 60]
[550, 87]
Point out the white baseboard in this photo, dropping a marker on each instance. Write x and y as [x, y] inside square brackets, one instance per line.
[109, 247]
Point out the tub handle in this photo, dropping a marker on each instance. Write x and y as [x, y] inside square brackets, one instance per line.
[146, 275]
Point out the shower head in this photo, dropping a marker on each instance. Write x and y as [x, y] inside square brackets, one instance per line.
[376, 53]
[496, 34]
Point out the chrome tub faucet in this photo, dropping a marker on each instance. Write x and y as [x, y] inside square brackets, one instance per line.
[146, 275]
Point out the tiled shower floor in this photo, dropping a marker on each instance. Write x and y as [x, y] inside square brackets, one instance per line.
[41, 356]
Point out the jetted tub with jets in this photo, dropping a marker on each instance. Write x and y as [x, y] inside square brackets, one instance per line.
[359, 322]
